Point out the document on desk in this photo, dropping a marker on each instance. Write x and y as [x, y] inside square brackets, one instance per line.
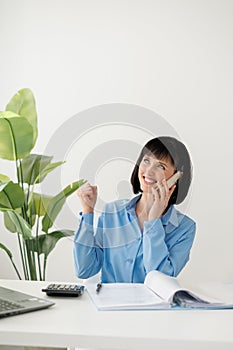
[125, 296]
[159, 291]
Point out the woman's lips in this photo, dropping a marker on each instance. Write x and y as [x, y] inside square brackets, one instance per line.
[148, 181]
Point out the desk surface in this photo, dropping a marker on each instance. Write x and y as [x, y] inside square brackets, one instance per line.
[76, 322]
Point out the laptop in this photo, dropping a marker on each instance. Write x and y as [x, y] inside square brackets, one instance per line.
[13, 302]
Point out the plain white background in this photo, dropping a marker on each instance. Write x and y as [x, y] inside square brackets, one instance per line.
[173, 57]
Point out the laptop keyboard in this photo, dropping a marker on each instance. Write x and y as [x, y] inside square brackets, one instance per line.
[8, 305]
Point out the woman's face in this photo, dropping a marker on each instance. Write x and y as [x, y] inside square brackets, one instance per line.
[152, 170]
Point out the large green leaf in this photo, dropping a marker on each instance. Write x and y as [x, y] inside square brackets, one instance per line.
[4, 178]
[56, 204]
[32, 165]
[37, 206]
[45, 243]
[46, 170]
[9, 224]
[39, 203]
[21, 225]
[23, 104]
[11, 195]
[16, 135]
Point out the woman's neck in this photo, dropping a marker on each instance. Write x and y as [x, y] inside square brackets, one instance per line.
[144, 204]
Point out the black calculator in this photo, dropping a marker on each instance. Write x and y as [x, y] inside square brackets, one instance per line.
[64, 290]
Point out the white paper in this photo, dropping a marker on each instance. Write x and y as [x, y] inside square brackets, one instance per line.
[125, 296]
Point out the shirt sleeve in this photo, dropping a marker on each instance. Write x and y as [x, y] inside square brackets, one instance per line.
[159, 255]
[88, 252]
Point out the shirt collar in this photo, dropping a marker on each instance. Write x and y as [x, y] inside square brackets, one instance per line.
[132, 202]
[170, 217]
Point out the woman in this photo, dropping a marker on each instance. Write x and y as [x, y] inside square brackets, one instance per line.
[135, 236]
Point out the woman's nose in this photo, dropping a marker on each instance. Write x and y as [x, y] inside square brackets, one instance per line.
[151, 171]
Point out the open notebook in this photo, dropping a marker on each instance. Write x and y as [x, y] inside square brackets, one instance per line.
[159, 291]
[13, 302]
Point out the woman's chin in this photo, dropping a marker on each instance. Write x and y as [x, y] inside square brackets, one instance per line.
[146, 189]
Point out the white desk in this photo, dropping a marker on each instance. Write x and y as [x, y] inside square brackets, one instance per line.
[76, 322]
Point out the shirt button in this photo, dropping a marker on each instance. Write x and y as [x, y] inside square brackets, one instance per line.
[129, 261]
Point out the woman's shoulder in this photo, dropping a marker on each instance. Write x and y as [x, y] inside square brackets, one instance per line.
[183, 218]
[117, 205]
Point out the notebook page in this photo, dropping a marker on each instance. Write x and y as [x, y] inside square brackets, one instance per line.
[163, 285]
[167, 286]
[124, 296]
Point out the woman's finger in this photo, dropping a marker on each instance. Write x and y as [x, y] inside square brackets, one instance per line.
[161, 189]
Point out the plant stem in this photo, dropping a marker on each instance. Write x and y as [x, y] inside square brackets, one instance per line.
[22, 258]
[25, 206]
[28, 254]
[27, 199]
[37, 242]
[16, 270]
[33, 260]
[18, 172]
[26, 260]
[20, 182]
[30, 261]
[45, 263]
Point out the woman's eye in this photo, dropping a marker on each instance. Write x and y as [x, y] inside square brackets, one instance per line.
[160, 166]
[146, 160]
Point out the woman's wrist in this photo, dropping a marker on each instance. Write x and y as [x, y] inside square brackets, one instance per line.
[87, 211]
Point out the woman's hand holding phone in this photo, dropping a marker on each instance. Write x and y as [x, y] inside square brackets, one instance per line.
[161, 194]
[159, 199]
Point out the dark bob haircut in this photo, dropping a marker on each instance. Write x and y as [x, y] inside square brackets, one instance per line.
[167, 147]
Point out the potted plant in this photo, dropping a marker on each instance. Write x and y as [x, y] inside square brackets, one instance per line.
[26, 212]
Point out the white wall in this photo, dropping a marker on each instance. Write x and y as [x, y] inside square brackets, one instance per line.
[173, 57]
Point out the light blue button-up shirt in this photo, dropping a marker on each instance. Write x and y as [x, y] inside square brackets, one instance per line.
[125, 253]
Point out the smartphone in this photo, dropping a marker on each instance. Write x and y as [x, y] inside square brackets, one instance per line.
[173, 179]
